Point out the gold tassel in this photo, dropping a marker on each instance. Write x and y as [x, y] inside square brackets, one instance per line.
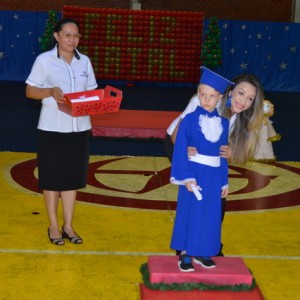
[275, 138]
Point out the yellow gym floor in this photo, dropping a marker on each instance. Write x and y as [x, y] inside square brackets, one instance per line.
[121, 229]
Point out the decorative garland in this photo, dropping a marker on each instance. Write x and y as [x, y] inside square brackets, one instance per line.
[191, 286]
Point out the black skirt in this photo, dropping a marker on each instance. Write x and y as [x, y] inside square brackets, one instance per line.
[63, 160]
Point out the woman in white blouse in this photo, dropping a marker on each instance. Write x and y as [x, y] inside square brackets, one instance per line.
[63, 140]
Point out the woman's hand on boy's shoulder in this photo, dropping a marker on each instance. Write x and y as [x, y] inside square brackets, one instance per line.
[225, 151]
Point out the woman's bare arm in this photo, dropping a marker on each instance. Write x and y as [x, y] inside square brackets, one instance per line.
[37, 93]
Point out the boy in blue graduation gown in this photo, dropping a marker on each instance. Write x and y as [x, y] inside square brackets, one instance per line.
[197, 226]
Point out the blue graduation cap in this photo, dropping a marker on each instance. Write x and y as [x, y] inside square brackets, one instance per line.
[214, 80]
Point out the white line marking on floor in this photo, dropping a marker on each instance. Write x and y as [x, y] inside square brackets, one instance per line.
[119, 253]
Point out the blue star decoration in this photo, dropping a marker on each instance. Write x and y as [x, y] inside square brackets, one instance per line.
[19, 44]
[283, 66]
[243, 66]
[266, 50]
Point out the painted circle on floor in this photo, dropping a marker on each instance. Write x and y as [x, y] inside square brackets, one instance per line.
[112, 183]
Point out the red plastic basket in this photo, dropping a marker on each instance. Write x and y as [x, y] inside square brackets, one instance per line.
[109, 100]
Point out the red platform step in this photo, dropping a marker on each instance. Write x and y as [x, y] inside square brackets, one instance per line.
[229, 271]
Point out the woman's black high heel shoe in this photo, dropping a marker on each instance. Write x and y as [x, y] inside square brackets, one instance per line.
[73, 239]
[57, 241]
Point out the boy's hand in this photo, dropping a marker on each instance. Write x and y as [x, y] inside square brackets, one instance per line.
[189, 183]
[224, 193]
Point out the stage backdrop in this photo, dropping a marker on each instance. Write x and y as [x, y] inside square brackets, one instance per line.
[269, 50]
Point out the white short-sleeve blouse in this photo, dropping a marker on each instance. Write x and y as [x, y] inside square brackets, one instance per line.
[51, 70]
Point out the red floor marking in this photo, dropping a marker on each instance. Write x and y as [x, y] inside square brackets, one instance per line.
[23, 174]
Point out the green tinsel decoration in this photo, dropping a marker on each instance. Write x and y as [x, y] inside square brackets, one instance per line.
[211, 53]
[46, 38]
[191, 286]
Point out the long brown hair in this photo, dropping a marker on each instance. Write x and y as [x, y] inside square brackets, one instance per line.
[244, 135]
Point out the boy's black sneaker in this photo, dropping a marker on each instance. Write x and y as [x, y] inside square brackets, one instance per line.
[185, 263]
[205, 262]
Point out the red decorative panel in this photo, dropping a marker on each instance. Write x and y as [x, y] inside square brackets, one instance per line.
[141, 45]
